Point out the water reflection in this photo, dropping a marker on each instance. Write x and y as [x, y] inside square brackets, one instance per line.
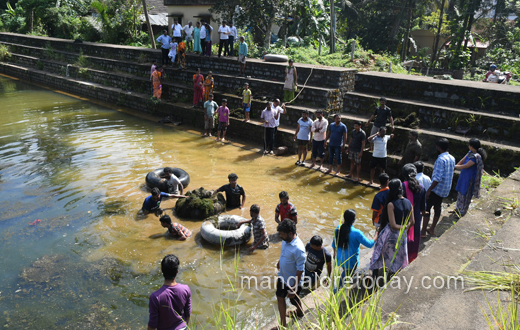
[80, 169]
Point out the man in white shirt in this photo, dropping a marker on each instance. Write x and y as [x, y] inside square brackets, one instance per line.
[203, 37]
[421, 177]
[232, 37]
[188, 32]
[380, 140]
[319, 128]
[279, 110]
[174, 184]
[224, 33]
[269, 116]
[177, 29]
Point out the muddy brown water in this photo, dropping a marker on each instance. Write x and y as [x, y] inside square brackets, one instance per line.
[91, 262]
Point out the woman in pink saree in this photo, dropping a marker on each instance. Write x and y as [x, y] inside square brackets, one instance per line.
[198, 88]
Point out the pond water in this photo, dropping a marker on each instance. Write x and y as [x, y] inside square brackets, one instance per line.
[91, 263]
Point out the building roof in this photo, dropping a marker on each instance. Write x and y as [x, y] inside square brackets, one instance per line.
[160, 19]
[158, 7]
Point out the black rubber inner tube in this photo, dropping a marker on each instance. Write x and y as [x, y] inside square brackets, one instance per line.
[154, 178]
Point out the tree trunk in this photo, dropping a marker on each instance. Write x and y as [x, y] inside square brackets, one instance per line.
[394, 31]
[31, 21]
[437, 37]
[267, 40]
[332, 28]
[404, 52]
[150, 31]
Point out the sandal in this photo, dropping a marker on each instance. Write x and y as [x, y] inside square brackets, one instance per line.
[298, 163]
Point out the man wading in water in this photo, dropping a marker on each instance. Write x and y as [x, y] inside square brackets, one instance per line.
[233, 192]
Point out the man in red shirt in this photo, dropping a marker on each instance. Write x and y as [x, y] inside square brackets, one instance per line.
[285, 210]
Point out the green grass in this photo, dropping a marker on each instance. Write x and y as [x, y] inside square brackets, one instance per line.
[491, 181]
[4, 53]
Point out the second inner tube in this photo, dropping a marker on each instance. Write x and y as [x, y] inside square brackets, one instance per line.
[224, 231]
[154, 178]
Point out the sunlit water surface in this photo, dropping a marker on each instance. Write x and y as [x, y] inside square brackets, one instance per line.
[91, 263]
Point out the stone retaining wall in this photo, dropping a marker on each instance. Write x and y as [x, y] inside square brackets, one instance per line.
[459, 93]
[446, 118]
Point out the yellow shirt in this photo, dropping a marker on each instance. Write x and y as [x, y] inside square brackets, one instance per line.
[247, 96]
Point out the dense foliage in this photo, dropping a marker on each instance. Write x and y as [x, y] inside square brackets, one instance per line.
[302, 26]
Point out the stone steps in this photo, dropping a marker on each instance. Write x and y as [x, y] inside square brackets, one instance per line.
[483, 124]
[501, 158]
[325, 98]
[470, 94]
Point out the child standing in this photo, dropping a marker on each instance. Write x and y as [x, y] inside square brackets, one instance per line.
[223, 120]
[181, 57]
[246, 101]
[173, 51]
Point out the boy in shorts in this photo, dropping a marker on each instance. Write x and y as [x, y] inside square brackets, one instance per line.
[246, 101]
[210, 107]
[223, 120]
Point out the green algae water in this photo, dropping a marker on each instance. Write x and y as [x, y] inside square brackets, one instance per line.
[91, 262]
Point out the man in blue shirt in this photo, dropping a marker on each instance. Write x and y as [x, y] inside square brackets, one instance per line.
[242, 55]
[380, 199]
[338, 139]
[440, 187]
[152, 203]
[165, 46]
[291, 266]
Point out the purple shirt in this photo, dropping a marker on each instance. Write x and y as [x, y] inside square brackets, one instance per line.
[223, 114]
[169, 307]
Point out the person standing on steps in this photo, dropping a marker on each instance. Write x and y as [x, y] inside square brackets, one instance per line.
[441, 186]
[223, 120]
[233, 34]
[157, 82]
[198, 88]
[210, 107]
[164, 40]
[382, 114]
[291, 82]
[209, 39]
[319, 128]
[269, 117]
[280, 110]
[242, 56]
[173, 51]
[286, 209]
[188, 32]
[290, 270]
[196, 39]
[152, 70]
[303, 135]
[421, 177]
[413, 150]
[170, 306]
[176, 29]
[246, 101]
[224, 33]
[355, 150]
[472, 167]
[380, 141]
[337, 134]
[209, 83]
[233, 193]
[203, 33]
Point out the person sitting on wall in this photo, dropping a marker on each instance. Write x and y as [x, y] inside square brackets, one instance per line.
[233, 192]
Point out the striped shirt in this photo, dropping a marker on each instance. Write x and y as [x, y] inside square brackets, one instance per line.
[179, 230]
[443, 174]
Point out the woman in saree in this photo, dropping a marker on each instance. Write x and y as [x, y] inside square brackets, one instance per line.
[198, 88]
[156, 81]
[291, 78]
[416, 194]
[472, 167]
[208, 85]
[196, 39]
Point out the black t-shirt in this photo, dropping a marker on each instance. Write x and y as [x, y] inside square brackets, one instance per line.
[316, 259]
[357, 140]
[382, 116]
[232, 195]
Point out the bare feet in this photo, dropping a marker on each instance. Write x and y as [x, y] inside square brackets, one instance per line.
[294, 314]
[431, 232]
[356, 180]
